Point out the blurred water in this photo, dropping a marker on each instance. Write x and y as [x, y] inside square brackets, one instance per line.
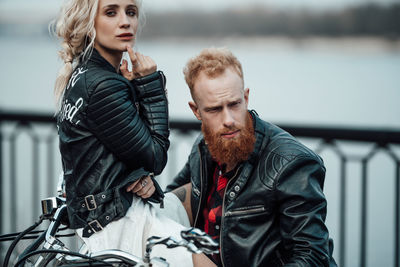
[317, 81]
[348, 82]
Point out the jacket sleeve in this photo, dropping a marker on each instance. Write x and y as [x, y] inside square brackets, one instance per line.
[302, 211]
[140, 141]
[182, 178]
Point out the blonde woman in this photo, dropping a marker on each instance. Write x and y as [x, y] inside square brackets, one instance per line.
[113, 129]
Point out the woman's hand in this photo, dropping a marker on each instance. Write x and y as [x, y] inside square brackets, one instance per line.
[144, 187]
[141, 65]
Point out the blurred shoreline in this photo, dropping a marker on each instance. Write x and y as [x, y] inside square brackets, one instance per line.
[365, 21]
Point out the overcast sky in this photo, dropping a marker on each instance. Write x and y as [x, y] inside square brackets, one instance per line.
[17, 10]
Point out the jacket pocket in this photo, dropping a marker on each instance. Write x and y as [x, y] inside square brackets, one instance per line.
[249, 210]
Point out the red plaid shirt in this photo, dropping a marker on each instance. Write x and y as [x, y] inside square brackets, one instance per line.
[212, 211]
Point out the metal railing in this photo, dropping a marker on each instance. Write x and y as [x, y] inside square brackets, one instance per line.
[387, 141]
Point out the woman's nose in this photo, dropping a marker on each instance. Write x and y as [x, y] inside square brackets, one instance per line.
[124, 21]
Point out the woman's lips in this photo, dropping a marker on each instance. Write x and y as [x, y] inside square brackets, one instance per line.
[125, 36]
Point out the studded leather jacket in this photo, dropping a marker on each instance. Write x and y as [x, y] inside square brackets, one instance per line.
[273, 209]
[112, 131]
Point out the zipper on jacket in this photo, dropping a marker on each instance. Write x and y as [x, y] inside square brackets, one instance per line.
[197, 191]
[245, 212]
[223, 215]
[201, 188]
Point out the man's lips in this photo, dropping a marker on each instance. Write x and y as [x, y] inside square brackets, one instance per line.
[230, 134]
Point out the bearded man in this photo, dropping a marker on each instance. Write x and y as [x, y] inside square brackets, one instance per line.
[250, 185]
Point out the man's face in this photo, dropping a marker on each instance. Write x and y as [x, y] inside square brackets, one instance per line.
[221, 105]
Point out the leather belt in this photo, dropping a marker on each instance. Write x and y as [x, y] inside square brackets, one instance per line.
[98, 224]
[92, 202]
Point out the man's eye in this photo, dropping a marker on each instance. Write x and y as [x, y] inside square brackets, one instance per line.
[213, 110]
[233, 104]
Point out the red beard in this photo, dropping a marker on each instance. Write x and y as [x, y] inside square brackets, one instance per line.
[230, 151]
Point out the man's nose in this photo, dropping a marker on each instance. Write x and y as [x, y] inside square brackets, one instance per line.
[228, 118]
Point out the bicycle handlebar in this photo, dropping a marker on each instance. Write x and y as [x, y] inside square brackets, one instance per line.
[55, 209]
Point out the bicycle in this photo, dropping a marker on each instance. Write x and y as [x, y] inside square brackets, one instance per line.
[55, 252]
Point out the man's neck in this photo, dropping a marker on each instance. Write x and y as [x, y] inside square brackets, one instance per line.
[229, 167]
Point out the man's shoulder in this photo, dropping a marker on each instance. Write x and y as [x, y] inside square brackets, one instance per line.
[281, 143]
[283, 150]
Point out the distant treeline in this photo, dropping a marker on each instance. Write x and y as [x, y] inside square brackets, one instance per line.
[366, 20]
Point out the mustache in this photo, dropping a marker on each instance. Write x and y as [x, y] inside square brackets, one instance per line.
[227, 130]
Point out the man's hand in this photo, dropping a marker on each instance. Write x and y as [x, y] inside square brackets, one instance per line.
[144, 187]
[141, 65]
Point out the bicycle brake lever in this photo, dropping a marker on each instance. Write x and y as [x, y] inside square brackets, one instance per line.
[200, 240]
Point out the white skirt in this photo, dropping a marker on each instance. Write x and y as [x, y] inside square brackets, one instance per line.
[142, 221]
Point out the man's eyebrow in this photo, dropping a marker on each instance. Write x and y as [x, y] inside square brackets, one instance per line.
[212, 107]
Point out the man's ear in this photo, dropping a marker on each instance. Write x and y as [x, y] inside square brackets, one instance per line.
[246, 96]
[195, 109]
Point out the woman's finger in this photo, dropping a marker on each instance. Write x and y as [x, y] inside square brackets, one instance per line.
[147, 65]
[147, 184]
[137, 187]
[131, 186]
[130, 52]
[145, 181]
[144, 191]
[149, 193]
[140, 61]
[124, 70]
[151, 65]
[132, 56]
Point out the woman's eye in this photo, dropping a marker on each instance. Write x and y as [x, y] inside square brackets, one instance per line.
[110, 13]
[131, 13]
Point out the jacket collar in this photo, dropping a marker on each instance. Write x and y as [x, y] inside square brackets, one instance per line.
[260, 133]
[96, 59]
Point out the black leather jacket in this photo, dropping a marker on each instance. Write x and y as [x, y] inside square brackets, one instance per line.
[273, 208]
[112, 132]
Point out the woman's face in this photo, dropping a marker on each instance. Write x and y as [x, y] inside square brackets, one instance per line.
[116, 26]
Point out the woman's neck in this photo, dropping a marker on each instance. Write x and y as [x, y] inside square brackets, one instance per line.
[113, 57]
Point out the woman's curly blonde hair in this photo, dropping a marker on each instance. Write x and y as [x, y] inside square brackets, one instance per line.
[75, 26]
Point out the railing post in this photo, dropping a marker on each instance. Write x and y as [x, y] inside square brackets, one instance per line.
[1, 179]
[363, 239]
[13, 183]
[35, 176]
[397, 217]
[342, 219]
[50, 167]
